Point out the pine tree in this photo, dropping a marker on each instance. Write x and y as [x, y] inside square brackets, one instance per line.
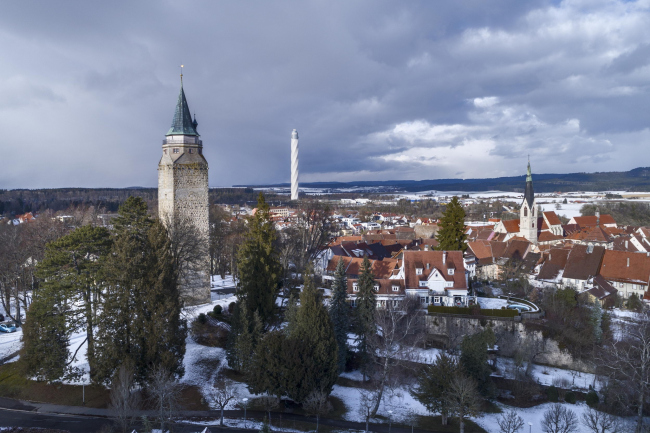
[140, 320]
[68, 295]
[258, 267]
[451, 234]
[340, 312]
[366, 307]
[313, 331]
[434, 383]
[247, 334]
[474, 358]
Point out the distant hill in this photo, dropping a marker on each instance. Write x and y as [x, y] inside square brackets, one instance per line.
[633, 180]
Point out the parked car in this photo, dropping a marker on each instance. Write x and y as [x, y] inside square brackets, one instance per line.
[7, 328]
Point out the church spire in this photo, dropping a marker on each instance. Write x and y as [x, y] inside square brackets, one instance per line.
[529, 196]
[182, 123]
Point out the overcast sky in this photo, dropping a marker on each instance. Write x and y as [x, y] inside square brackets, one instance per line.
[377, 89]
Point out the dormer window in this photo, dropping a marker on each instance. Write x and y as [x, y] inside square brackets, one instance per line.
[423, 283]
[376, 287]
[450, 271]
[418, 271]
[355, 287]
[395, 288]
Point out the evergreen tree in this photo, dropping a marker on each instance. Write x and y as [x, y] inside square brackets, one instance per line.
[258, 267]
[313, 331]
[340, 313]
[434, 383]
[366, 307]
[269, 372]
[451, 234]
[247, 334]
[140, 320]
[474, 358]
[70, 289]
[46, 338]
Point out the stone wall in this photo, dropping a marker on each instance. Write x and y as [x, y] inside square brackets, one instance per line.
[512, 335]
[183, 196]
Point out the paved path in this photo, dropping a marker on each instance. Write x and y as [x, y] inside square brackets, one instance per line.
[88, 420]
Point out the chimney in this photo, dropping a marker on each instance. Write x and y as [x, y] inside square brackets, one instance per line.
[628, 262]
[444, 257]
[597, 218]
[427, 266]
[626, 245]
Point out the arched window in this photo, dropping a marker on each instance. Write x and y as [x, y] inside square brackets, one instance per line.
[525, 211]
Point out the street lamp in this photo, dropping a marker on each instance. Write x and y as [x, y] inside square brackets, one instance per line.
[390, 412]
[530, 427]
[245, 401]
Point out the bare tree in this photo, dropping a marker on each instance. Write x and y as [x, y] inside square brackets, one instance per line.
[165, 394]
[224, 392]
[268, 403]
[124, 401]
[464, 399]
[367, 400]
[191, 256]
[627, 362]
[510, 422]
[317, 404]
[600, 422]
[559, 419]
[400, 327]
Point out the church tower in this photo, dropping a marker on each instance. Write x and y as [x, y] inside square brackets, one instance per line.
[183, 196]
[528, 212]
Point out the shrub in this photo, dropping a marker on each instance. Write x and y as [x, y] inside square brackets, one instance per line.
[592, 399]
[202, 319]
[231, 307]
[570, 397]
[552, 394]
[217, 310]
[470, 311]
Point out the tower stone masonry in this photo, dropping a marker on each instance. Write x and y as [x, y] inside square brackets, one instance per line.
[183, 197]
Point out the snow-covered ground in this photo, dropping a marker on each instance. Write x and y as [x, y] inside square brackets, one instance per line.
[535, 415]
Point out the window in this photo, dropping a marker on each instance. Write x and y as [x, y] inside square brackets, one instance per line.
[525, 211]
[423, 283]
[395, 288]
[423, 300]
[450, 271]
[191, 150]
[418, 271]
[376, 287]
[436, 299]
[355, 287]
[176, 150]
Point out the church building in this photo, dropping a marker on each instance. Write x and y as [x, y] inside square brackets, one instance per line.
[528, 211]
[183, 196]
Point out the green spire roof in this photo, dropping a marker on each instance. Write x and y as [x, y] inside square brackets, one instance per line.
[182, 123]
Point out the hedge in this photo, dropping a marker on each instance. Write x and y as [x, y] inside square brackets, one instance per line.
[469, 311]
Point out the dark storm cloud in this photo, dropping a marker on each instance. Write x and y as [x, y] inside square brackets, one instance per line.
[377, 89]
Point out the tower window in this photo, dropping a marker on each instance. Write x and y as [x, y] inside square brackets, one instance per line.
[525, 211]
[176, 150]
[191, 150]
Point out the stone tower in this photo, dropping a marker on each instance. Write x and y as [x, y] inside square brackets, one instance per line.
[183, 197]
[528, 212]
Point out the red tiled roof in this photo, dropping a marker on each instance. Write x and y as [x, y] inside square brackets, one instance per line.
[626, 267]
[592, 220]
[420, 259]
[548, 237]
[582, 264]
[511, 226]
[552, 218]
